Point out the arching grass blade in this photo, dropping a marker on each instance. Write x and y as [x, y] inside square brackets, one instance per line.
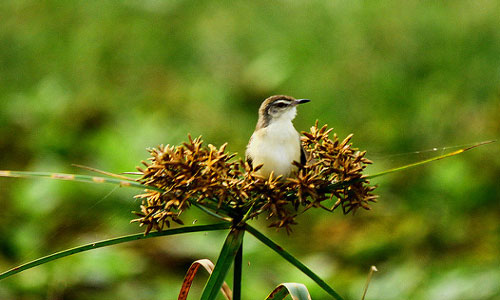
[278, 249]
[297, 291]
[114, 241]
[191, 273]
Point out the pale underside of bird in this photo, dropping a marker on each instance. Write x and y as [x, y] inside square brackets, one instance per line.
[275, 143]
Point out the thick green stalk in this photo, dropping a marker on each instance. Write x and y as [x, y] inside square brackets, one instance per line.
[224, 262]
[238, 263]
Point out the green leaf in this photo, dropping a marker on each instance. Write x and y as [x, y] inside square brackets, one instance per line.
[297, 291]
[114, 241]
[278, 249]
[226, 257]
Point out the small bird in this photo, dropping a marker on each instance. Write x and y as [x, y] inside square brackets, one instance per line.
[275, 143]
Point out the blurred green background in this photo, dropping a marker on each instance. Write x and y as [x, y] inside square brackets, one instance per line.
[97, 82]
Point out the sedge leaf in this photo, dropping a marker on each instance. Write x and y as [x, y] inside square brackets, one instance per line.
[114, 241]
[278, 249]
[224, 262]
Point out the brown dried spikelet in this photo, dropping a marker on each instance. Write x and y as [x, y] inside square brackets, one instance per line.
[208, 176]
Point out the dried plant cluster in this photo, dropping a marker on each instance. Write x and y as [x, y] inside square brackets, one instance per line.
[209, 177]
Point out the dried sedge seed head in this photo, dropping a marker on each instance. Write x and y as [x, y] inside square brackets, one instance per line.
[208, 176]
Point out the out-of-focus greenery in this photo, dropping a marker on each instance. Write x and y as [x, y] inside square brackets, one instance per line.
[96, 82]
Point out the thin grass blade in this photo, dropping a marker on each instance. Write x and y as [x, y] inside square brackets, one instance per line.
[346, 183]
[76, 177]
[425, 161]
[103, 172]
[297, 291]
[368, 280]
[114, 241]
[224, 262]
[287, 256]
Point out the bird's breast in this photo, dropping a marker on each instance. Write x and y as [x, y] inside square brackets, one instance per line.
[276, 147]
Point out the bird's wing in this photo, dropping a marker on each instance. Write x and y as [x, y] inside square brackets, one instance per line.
[303, 155]
[247, 155]
[249, 160]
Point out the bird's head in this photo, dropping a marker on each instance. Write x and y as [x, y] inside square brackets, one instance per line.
[279, 107]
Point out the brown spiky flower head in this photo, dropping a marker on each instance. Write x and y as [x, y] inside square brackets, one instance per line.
[212, 180]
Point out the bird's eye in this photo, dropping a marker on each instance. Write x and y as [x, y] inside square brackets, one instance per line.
[281, 104]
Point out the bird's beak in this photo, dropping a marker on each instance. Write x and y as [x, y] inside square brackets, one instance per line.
[300, 101]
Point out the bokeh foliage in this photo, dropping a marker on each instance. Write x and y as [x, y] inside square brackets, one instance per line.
[96, 82]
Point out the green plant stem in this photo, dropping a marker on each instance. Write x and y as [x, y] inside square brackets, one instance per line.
[224, 262]
[114, 241]
[238, 263]
[293, 261]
